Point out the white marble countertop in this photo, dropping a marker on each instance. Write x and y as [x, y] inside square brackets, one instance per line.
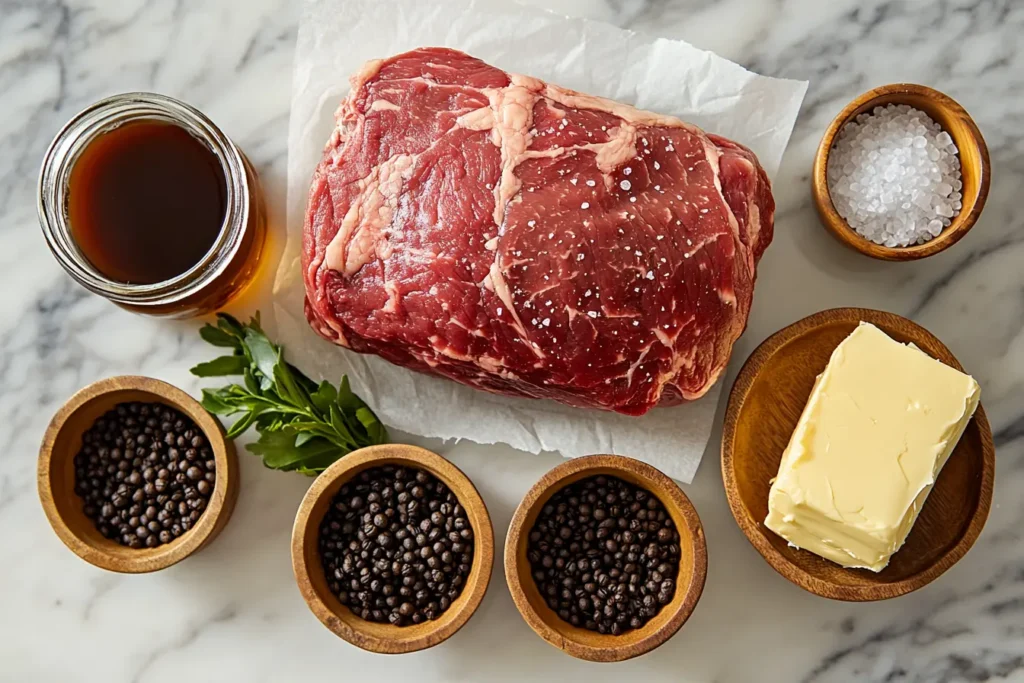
[233, 612]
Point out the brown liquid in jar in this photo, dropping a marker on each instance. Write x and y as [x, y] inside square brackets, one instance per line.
[146, 202]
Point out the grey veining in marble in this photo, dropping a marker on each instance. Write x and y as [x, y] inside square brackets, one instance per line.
[233, 613]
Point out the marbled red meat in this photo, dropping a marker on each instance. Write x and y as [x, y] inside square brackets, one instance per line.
[529, 240]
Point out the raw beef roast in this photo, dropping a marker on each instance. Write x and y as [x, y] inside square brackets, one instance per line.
[529, 240]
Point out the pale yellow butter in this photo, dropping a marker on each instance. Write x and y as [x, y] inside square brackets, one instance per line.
[879, 425]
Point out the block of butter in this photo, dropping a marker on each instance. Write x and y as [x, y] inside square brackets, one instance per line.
[879, 425]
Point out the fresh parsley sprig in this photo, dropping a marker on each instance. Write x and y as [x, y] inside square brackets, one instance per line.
[303, 426]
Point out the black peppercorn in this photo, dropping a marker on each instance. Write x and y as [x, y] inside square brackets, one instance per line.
[604, 555]
[124, 474]
[394, 547]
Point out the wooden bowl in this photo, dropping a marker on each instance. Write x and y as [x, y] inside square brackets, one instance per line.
[975, 169]
[309, 573]
[56, 476]
[580, 642]
[764, 407]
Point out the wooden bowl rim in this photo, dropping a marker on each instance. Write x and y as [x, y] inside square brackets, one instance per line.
[653, 479]
[306, 531]
[752, 527]
[841, 229]
[216, 515]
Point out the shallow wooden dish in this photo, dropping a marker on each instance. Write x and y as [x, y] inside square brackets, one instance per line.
[974, 162]
[309, 573]
[56, 476]
[764, 407]
[580, 642]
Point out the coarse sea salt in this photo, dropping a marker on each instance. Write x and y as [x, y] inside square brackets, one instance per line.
[894, 176]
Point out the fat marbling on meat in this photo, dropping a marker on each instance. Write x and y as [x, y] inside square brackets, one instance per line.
[530, 240]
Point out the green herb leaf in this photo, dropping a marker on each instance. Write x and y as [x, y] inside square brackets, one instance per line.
[373, 425]
[287, 386]
[230, 326]
[270, 422]
[346, 399]
[306, 383]
[251, 384]
[303, 426]
[217, 403]
[242, 424]
[219, 367]
[279, 452]
[303, 437]
[324, 396]
[263, 353]
[316, 429]
[338, 423]
[276, 448]
[218, 337]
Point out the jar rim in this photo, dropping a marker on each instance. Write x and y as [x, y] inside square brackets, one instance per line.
[102, 117]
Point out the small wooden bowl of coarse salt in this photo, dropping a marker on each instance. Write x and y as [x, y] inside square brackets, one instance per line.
[901, 173]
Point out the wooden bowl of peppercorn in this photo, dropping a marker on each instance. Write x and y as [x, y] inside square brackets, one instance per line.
[644, 494]
[181, 525]
[401, 491]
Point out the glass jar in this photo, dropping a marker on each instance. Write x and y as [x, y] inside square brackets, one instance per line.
[226, 268]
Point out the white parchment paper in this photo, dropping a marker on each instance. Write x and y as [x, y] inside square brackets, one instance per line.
[666, 76]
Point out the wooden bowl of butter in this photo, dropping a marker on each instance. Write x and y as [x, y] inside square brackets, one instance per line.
[859, 467]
